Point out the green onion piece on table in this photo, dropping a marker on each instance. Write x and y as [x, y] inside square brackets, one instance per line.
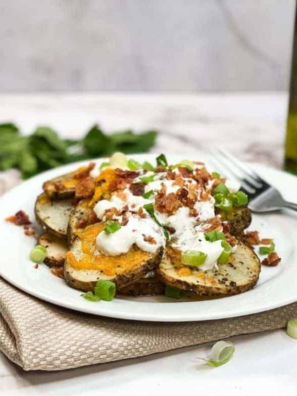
[265, 250]
[193, 258]
[292, 328]
[224, 257]
[111, 227]
[172, 292]
[221, 353]
[38, 254]
[105, 290]
[90, 297]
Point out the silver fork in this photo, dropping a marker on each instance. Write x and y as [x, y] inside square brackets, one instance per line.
[262, 196]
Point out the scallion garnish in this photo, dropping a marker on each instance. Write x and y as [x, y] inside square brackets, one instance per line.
[292, 328]
[186, 163]
[151, 211]
[147, 166]
[104, 165]
[105, 290]
[264, 250]
[133, 165]
[214, 236]
[193, 258]
[216, 175]
[220, 189]
[222, 202]
[224, 257]
[239, 199]
[162, 161]
[111, 227]
[221, 353]
[148, 195]
[38, 254]
[147, 179]
[90, 297]
[172, 292]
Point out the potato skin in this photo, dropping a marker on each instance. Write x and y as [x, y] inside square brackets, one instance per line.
[56, 249]
[120, 280]
[143, 287]
[49, 187]
[238, 218]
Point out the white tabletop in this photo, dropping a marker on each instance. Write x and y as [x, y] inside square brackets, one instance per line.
[253, 127]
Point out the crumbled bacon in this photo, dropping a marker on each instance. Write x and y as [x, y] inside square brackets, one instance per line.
[231, 240]
[123, 178]
[179, 181]
[111, 213]
[137, 189]
[185, 172]
[29, 231]
[213, 224]
[150, 239]
[226, 227]
[85, 220]
[84, 172]
[141, 213]
[159, 169]
[125, 219]
[266, 241]
[20, 218]
[205, 196]
[125, 174]
[171, 175]
[252, 238]
[58, 271]
[203, 173]
[272, 260]
[167, 203]
[85, 188]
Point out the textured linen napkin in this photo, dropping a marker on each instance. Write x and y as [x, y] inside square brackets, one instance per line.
[40, 336]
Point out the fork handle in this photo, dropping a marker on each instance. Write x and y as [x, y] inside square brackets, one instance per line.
[291, 205]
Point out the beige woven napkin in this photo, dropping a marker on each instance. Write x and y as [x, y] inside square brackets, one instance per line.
[39, 336]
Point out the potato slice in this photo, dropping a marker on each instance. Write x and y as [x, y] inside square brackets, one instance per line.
[56, 249]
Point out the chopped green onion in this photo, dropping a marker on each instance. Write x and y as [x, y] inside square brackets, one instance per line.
[151, 211]
[292, 328]
[147, 166]
[162, 161]
[133, 165]
[104, 165]
[111, 227]
[222, 202]
[220, 189]
[188, 164]
[216, 175]
[224, 257]
[147, 179]
[214, 236]
[221, 353]
[172, 292]
[239, 198]
[38, 254]
[105, 290]
[148, 195]
[193, 258]
[267, 249]
[118, 160]
[90, 297]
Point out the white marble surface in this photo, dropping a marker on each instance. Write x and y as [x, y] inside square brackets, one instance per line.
[112, 45]
[250, 125]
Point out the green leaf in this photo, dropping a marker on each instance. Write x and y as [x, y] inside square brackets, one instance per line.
[28, 163]
[124, 137]
[9, 128]
[51, 137]
[96, 142]
[141, 144]
[9, 161]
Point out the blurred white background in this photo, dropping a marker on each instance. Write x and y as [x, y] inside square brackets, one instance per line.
[136, 45]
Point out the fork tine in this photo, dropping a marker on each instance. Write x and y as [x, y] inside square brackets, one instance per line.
[246, 170]
[246, 186]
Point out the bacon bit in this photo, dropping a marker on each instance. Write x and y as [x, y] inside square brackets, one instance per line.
[171, 230]
[185, 172]
[159, 169]
[266, 241]
[203, 173]
[58, 271]
[85, 172]
[29, 231]
[20, 218]
[111, 213]
[36, 266]
[213, 224]
[193, 212]
[86, 220]
[121, 195]
[137, 189]
[171, 175]
[231, 240]
[150, 240]
[85, 188]
[125, 219]
[125, 174]
[167, 203]
[226, 227]
[179, 181]
[252, 238]
[272, 260]
[205, 196]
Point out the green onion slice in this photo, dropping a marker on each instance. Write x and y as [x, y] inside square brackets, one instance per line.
[193, 258]
[90, 297]
[221, 353]
[292, 328]
[151, 211]
[214, 236]
[149, 194]
[38, 254]
[173, 292]
[105, 290]
[147, 179]
[188, 164]
[112, 227]
[239, 199]
[267, 249]
[147, 166]
[162, 161]
[224, 257]
[104, 165]
[222, 202]
[133, 165]
[216, 175]
[220, 189]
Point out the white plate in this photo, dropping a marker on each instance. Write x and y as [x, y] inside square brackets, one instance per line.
[276, 287]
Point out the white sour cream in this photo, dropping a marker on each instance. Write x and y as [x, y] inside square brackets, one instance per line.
[133, 233]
